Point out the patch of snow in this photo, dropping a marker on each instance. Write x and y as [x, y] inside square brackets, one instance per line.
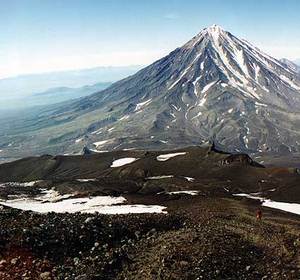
[100, 143]
[142, 104]
[208, 86]
[194, 84]
[202, 65]
[289, 82]
[256, 71]
[78, 140]
[124, 118]
[123, 161]
[248, 196]
[230, 110]
[30, 184]
[129, 209]
[20, 184]
[52, 196]
[288, 207]
[98, 151]
[176, 108]
[159, 177]
[239, 58]
[111, 129]
[98, 131]
[285, 206]
[166, 157]
[163, 141]
[199, 114]
[204, 90]
[184, 192]
[260, 104]
[52, 201]
[215, 31]
[180, 77]
[86, 180]
[189, 179]
[44, 204]
[202, 101]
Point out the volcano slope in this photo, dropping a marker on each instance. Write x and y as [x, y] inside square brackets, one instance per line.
[215, 87]
[211, 235]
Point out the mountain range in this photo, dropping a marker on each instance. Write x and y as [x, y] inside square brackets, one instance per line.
[20, 91]
[215, 88]
[55, 95]
[291, 64]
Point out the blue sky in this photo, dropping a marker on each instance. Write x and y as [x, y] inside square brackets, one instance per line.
[47, 35]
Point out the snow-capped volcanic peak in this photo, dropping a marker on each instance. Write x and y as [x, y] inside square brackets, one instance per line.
[215, 31]
[216, 87]
[223, 58]
[215, 28]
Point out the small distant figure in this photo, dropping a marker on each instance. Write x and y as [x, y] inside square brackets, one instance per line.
[258, 214]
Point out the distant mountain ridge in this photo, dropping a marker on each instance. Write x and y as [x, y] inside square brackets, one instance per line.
[20, 87]
[293, 65]
[59, 94]
[216, 88]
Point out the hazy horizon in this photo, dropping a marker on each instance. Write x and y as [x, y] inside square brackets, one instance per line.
[50, 36]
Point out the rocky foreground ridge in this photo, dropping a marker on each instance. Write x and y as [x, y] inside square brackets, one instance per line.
[204, 232]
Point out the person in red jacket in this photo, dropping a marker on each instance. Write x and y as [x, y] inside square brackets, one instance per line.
[258, 214]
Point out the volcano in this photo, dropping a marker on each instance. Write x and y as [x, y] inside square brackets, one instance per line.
[215, 88]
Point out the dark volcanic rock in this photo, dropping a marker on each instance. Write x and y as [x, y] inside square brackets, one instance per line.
[240, 158]
[199, 238]
[210, 169]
